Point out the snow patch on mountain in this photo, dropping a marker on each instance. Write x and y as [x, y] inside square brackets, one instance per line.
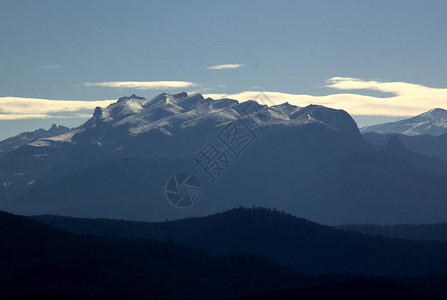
[66, 137]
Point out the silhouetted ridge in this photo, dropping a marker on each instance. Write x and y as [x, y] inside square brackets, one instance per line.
[17, 228]
[41, 262]
[304, 246]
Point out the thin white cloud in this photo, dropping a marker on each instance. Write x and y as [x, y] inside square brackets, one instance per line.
[397, 88]
[8, 117]
[227, 66]
[12, 108]
[50, 67]
[143, 85]
[408, 100]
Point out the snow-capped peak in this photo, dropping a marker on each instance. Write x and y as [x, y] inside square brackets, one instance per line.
[167, 113]
[433, 122]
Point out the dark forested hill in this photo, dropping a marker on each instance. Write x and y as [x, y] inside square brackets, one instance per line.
[40, 261]
[37, 261]
[305, 246]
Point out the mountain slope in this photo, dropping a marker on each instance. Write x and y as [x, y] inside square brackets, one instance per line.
[305, 246]
[433, 122]
[396, 147]
[365, 187]
[38, 261]
[28, 137]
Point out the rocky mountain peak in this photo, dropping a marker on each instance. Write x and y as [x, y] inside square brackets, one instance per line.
[166, 112]
[132, 97]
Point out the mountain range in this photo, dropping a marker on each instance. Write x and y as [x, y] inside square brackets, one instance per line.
[38, 261]
[298, 244]
[309, 161]
[432, 122]
[41, 261]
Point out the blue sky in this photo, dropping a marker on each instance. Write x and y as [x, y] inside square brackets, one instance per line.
[58, 50]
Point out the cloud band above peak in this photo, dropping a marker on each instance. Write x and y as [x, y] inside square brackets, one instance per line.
[409, 99]
[16, 108]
